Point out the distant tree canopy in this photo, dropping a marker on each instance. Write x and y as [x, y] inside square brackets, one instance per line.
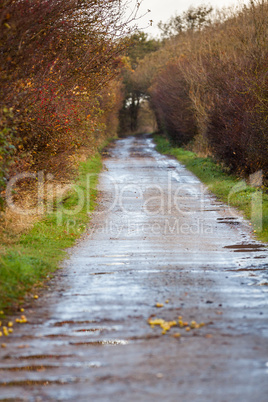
[192, 19]
[140, 46]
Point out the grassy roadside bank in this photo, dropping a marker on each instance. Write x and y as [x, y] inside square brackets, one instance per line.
[228, 188]
[28, 260]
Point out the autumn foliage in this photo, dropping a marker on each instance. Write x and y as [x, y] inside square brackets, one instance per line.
[58, 64]
[208, 84]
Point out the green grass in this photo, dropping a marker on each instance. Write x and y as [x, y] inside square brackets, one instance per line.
[228, 188]
[38, 252]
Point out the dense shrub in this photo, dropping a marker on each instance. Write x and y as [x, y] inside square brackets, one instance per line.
[238, 126]
[172, 104]
[209, 82]
[59, 60]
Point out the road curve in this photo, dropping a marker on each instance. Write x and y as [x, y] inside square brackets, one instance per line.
[157, 236]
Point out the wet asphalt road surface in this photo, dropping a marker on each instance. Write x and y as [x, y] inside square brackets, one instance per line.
[157, 235]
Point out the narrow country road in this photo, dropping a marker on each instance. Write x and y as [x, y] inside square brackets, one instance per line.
[157, 236]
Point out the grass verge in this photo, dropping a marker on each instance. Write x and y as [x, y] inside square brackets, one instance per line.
[252, 201]
[37, 253]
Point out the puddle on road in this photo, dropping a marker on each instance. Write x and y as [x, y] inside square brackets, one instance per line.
[71, 322]
[117, 256]
[256, 276]
[262, 283]
[36, 357]
[29, 368]
[12, 400]
[144, 338]
[247, 269]
[102, 273]
[229, 220]
[209, 210]
[101, 343]
[42, 367]
[25, 383]
[241, 248]
[91, 330]
[111, 256]
[57, 336]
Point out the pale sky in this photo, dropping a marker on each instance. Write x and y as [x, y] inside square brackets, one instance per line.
[164, 9]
